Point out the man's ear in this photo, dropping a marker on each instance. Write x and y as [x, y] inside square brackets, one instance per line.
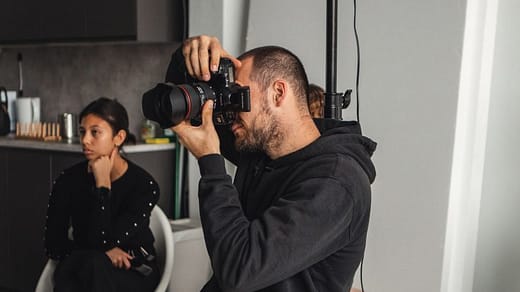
[280, 89]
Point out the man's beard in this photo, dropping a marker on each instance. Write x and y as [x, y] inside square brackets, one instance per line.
[261, 137]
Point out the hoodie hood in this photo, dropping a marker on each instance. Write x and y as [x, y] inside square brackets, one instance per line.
[337, 137]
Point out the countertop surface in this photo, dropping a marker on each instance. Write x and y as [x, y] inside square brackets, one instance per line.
[74, 146]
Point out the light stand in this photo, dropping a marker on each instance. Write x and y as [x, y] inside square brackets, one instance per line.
[334, 101]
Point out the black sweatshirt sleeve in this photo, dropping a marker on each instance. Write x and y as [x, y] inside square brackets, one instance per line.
[307, 224]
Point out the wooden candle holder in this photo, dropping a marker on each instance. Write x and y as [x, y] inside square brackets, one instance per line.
[38, 131]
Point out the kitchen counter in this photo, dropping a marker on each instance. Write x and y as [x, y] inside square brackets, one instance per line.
[74, 146]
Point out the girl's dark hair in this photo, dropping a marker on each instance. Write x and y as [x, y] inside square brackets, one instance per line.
[113, 113]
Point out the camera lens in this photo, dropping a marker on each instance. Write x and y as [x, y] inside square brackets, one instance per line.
[169, 104]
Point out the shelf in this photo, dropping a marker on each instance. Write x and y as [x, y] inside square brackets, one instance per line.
[75, 147]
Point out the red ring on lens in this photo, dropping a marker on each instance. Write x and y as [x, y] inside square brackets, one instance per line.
[188, 102]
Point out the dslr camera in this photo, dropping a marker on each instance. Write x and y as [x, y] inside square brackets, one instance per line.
[169, 104]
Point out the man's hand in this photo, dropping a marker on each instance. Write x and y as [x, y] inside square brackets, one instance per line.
[202, 140]
[119, 258]
[202, 54]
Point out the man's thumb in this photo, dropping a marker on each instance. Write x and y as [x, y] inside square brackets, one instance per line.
[207, 112]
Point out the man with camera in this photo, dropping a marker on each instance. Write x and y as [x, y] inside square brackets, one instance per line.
[295, 218]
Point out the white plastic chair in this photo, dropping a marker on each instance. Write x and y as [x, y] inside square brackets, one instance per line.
[164, 247]
[45, 283]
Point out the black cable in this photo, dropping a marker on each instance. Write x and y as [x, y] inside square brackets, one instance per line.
[358, 65]
[361, 274]
[358, 62]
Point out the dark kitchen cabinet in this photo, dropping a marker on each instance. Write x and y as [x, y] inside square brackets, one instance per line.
[102, 24]
[29, 20]
[19, 20]
[36, 21]
[4, 227]
[25, 183]
[61, 19]
[27, 189]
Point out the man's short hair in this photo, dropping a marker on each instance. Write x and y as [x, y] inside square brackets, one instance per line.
[272, 62]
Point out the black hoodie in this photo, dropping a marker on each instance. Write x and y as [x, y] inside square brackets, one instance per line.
[297, 223]
[294, 224]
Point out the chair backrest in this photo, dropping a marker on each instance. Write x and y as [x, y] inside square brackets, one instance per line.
[163, 235]
[164, 246]
[45, 283]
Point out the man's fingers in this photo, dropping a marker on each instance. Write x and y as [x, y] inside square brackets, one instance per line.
[204, 64]
[204, 50]
[216, 52]
[190, 50]
[207, 113]
[196, 55]
[202, 56]
[194, 62]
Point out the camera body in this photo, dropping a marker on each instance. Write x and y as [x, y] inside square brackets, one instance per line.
[169, 104]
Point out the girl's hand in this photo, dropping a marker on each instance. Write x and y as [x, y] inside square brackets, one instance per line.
[119, 258]
[102, 167]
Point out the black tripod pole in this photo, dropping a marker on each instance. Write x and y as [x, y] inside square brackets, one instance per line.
[332, 102]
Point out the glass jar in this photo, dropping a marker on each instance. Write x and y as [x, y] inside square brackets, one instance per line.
[148, 129]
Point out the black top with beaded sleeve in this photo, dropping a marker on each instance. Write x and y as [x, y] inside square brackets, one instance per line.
[101, 219]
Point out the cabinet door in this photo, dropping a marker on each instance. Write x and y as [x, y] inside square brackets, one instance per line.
[114, 19]
[20, 20]
[63, 160]
[63, 19]
[4, 226]
[161, 165]
[36, 21]
[57, 20]
[28, 193]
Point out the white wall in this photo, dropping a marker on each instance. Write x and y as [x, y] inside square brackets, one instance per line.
[411, 55]
[296, 25]
[206, 17]
[498, 247]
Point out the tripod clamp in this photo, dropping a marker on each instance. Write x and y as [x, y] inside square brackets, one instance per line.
[335, 102]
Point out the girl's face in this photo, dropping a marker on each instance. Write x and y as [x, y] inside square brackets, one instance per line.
[97, 137]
